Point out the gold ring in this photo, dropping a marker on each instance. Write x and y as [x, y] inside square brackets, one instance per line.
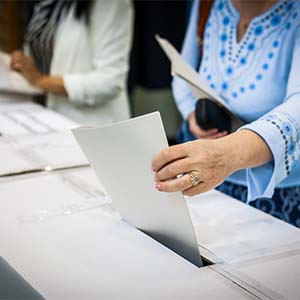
[194, 178]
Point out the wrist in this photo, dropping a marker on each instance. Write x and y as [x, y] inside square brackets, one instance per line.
[245, 149]
[39, 81]
[225, 153]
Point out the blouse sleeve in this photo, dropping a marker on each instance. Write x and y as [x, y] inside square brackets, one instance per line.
[110, 37]
[280, 129]
[190, 52]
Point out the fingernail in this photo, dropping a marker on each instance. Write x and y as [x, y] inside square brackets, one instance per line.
[158, 186]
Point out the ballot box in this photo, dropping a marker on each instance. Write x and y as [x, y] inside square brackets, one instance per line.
[61, 235]
[274, 277]
[230, 231]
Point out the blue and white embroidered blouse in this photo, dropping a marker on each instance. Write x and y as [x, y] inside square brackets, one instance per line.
[259, 78]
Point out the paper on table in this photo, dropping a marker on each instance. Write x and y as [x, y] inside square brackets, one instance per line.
[198, 87]
[121, 156]
[23, 118]
[95, 256]
[11, 81]
[33, 152]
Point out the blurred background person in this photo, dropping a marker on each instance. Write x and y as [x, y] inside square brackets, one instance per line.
[77, 53]
[249, 54]
[149, 72]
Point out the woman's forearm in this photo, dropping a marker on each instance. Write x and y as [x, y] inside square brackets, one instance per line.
[246, 149]
[52, 84]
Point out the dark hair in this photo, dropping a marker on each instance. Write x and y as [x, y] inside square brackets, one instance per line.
[82, 9]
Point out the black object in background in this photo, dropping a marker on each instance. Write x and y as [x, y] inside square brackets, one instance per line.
[149, 67]
[209, 115]
[13, 286]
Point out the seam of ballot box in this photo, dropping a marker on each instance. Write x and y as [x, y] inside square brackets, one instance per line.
[246, 282]
[259, 254]
[275, 256]
[16, 175]
[209, 254]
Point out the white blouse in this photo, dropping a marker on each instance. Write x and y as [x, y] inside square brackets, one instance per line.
[93, 61]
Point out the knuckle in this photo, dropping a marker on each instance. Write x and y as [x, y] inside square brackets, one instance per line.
[168, 171]
[172, 170]
[166, 154]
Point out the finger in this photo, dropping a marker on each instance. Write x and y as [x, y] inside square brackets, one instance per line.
[201, 133]
[167, 155]
[202, 187]
[17, 55]
[173, 169]
[208, 131]
[216, 136]
[177, 184]
[17, 66]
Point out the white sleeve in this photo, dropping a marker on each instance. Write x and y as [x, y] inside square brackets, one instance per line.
[110, 34]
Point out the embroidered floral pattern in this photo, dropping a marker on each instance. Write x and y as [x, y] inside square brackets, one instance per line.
[238, 56]
[289, 132]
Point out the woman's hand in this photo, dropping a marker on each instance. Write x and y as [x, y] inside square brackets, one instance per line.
[206, 157]
[212, 160]
[26, 66]
[200, 133]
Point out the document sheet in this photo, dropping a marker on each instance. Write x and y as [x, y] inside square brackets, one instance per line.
[11, 81]
[198, 86]
[121, 156]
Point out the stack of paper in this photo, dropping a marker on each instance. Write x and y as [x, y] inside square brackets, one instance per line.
[28, 118]
[11, 81]
[39, 152]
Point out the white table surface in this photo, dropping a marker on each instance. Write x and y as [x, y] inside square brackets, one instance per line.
[24, 117]
[231, 231]
[31, 152]
[60, 234]
[276, 276]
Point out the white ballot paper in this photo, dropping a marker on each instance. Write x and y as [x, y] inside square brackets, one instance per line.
[11, 81]
[199, 88]
[121, 156]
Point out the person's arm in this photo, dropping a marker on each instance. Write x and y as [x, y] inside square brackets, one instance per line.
[269, 149]
[110, 31]
[110, 37]
[213, 160]
[26, 66]
[52, 84]
[280, 129]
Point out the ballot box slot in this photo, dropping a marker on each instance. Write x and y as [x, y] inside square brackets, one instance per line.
[206, 262]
